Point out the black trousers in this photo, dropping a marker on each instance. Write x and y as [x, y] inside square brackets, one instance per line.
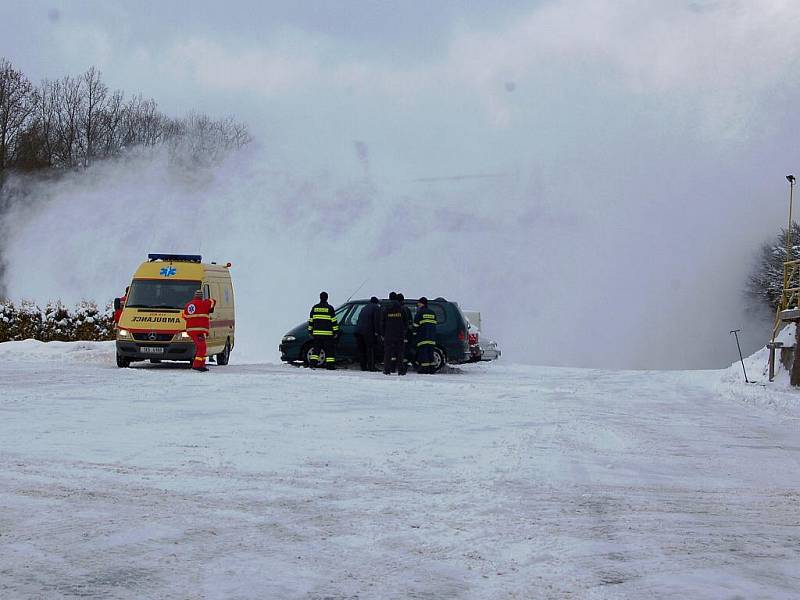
[366, 351]
[328, 346]
[425, 358]
[394, 356]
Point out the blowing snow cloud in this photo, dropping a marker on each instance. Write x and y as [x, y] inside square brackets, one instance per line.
[590, 179]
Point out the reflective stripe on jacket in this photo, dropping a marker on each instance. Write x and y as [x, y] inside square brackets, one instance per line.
[196, 313]
[425, 327]
[322, 321]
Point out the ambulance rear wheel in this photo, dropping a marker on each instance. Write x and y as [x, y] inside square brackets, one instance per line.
[122, 362]
[224, 356]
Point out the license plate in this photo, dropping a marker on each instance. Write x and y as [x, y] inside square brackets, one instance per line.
[152, 349]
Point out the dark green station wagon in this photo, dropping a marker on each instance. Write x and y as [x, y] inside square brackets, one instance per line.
[452, 344]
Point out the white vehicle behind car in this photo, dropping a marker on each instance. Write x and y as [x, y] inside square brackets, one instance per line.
[481, 348]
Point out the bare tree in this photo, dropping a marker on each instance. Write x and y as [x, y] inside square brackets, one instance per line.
[69, 136]
[142, 122]
[46, 116]
[18, 102]
[238, 134]
[72, 121]
[150, 122]
[199, 139]
[112, 124]
[95, 93]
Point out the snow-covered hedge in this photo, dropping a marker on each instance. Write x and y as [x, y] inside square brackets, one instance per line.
[56, 322]
[58, 325]
[8, 321]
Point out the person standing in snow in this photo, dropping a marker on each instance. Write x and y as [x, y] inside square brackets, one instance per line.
[409, 331]
[425, 335]
[368, 328]
[324, 330]
[394, 327]
[198, 320]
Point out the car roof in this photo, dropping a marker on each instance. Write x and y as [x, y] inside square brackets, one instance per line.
[366, 300]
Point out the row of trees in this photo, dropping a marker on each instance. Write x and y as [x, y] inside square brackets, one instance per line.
[56, 322]
[72, 121]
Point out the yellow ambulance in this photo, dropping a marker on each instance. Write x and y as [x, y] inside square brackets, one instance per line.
[151, 326]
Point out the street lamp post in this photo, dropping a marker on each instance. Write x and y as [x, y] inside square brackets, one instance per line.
[790, 179]
[790, 289]
[788, 270]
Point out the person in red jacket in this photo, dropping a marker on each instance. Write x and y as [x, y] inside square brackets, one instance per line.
[118, 311]
[196, 313]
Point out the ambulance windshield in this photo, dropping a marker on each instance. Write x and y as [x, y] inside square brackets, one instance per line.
[159, 293]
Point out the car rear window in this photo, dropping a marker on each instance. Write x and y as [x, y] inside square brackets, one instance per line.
[438, 310]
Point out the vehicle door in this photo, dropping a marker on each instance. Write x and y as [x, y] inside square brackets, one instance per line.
[347, 347]
[218, 316]
[445, 330]
[208, 293]
[226, 313]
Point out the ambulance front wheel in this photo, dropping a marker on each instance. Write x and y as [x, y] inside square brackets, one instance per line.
[122, 362]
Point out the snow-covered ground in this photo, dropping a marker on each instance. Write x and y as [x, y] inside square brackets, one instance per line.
[490, 481]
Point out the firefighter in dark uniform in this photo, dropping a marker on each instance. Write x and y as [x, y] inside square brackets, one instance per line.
[368, 327]
[324, 330]
[409, 348]
[425, 330]
[394, 326]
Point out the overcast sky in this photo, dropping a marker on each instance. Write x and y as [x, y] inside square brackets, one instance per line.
[635, 150]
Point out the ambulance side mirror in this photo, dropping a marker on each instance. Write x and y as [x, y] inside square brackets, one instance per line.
[117, 304]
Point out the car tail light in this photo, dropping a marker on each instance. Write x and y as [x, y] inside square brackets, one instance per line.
[461, 336]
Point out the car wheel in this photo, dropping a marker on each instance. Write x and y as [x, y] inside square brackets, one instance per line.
[122, 362]
[224, 356]
[439, 359]
[307, 350]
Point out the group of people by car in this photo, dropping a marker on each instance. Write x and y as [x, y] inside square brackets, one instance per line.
[391, 324]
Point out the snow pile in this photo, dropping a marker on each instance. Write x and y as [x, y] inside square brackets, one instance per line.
[777, 394]
[34, 350]
[83, 351]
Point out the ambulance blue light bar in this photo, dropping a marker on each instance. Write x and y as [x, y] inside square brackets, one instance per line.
[195, 258]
